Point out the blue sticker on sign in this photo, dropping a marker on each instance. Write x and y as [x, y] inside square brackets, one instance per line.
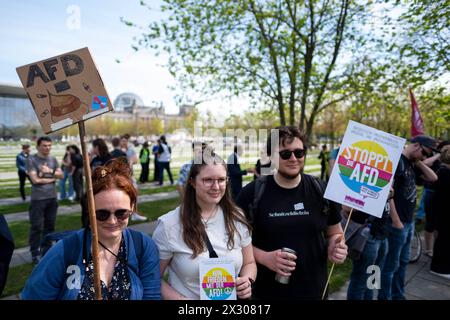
[99, 102]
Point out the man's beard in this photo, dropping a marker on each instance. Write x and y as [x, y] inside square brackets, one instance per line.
[288, 175]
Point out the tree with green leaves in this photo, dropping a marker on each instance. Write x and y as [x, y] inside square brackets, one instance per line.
[425, 44]
[282, 53]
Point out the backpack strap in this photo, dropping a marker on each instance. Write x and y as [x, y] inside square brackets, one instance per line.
[260, 186]
[138, 240]
[319, 188]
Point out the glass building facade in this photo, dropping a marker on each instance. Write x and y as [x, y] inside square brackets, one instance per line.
[15, 108]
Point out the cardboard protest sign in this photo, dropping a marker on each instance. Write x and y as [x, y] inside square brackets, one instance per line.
[364, 168]
[217, 279]
[65, 89]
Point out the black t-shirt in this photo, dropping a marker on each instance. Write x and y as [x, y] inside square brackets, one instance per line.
[100, 161]
[405, 192]
[77, 160]
[291, 218]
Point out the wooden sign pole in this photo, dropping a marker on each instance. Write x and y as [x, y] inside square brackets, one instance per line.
[91, 207]
[332, 267]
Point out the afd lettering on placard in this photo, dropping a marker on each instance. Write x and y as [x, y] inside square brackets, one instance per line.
[366, 165]
[71, 65]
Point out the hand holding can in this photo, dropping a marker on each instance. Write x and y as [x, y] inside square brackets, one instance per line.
[282, 278]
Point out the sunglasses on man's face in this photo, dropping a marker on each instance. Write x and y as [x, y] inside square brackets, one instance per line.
[121, 214]
[286, 154]
[425, 153]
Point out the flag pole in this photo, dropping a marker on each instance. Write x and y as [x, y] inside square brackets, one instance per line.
[334, 263]
[91, 207]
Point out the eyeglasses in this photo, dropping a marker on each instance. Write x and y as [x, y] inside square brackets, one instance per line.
[286, 154]
[121, 214]
[209, 182]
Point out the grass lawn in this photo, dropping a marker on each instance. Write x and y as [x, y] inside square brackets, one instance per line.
[22, 207]
[17, 277]
[341, 274]
[13, 192]
[157, 190]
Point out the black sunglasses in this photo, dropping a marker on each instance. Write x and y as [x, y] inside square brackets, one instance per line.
[121, 214]
[286, 154]
[425, 153]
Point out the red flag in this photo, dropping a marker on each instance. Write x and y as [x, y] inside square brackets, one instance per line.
[417, 126]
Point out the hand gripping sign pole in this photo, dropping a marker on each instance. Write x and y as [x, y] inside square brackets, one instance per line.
[334, 263]
[65, 90]
[91, 207]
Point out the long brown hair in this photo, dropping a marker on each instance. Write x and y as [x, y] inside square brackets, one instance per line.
[193, 227]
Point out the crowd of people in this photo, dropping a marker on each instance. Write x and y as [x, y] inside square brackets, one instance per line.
[278, 230]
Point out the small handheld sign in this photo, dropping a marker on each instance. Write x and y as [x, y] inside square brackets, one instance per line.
[217, 279]
[64, 90]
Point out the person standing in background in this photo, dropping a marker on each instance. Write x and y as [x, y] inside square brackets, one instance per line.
[323, 156]
[132, 160]
[164, 157]
[155, 150]
[77, 171]
[144, 158]
[21, 164]
[67, 172]
[43, 171]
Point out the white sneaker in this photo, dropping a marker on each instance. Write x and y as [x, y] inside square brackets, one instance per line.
[442, 275]
[137, 217]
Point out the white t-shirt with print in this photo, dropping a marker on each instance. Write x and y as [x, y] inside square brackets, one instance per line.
[183, 270]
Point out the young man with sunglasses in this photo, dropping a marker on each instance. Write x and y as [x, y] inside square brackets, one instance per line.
[292, 213]
[410, 169]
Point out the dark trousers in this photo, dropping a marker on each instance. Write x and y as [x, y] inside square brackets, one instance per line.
[144, 172]
[323, 172]
[156, 173]
[42, 219]
[22, 177]
[77, 178]
[162, 166]
[6, 251]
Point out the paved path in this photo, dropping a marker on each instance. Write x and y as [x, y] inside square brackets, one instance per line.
[420, 283]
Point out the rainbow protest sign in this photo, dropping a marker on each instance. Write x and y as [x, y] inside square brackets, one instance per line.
[364, 168]
[217, 281]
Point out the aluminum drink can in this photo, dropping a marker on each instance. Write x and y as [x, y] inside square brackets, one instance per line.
[284, 279]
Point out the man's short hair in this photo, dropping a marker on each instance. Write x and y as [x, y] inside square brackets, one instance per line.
[115, 142]
[286, 134]
[25, 146]
[48, 139]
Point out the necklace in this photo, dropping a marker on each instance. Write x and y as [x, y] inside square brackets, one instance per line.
[115, 255]
[205, 221]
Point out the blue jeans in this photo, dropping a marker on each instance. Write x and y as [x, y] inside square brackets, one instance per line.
[420, 214]
[374, 253]
[62, 185]
[397, 259]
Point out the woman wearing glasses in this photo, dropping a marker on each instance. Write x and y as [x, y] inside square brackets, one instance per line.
[207, 225]
[129, 265]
